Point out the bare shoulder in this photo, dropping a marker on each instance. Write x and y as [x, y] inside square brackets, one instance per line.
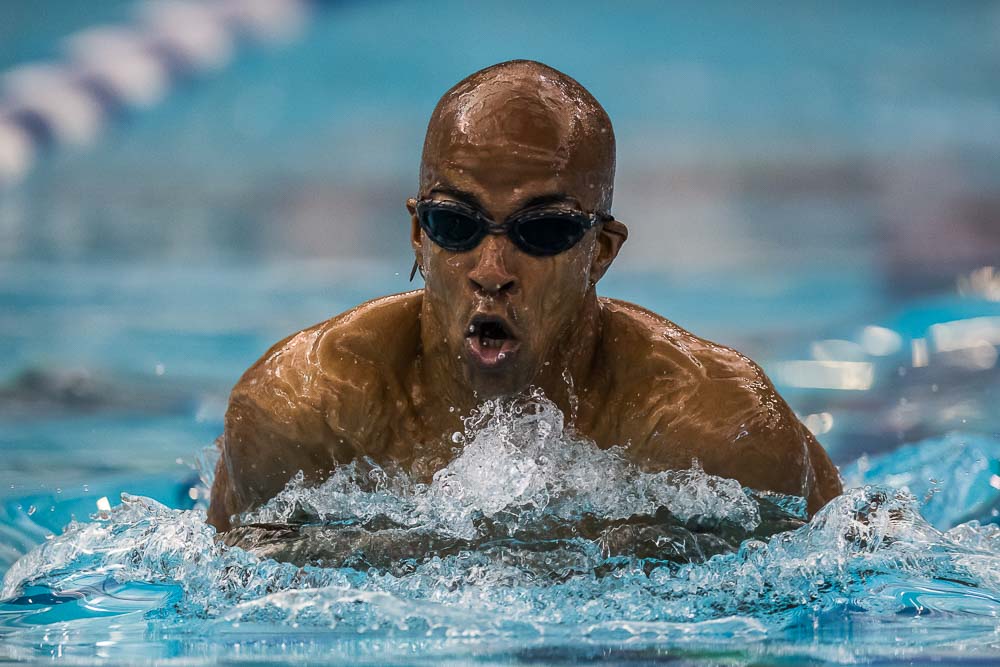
[670, 351]
[382, 333]
[308, 377]
[311, 402]
[362, 332]
[679, 387]
[691, 398]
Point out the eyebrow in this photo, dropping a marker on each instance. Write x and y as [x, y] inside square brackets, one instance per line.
[554, 198]
[538, 200]
[461, 195]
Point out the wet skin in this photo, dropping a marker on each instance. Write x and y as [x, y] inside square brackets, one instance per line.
[391, 378]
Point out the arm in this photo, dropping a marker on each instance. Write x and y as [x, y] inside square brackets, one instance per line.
[314, 401]
[269, 436]
[827, 479]
[735, 423]
[775, 451]
[277, 424]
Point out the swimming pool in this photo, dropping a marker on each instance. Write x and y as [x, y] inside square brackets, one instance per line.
[146, 581]
[845, 250]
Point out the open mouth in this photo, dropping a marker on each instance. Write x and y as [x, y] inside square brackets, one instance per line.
[490, 341]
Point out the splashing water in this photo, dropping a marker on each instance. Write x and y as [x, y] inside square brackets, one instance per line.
[530, 534]
[516, 466]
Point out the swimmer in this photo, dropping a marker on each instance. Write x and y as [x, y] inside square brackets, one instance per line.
[511, 230]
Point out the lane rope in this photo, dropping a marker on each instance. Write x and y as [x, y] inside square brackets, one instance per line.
[109, 70]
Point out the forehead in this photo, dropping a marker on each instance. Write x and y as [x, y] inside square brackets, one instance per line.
[508, 145]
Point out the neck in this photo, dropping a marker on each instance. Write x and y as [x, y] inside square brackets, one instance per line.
[566, 370]
[441, 383]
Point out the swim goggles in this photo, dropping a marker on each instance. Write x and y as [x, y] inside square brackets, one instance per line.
[541, 231]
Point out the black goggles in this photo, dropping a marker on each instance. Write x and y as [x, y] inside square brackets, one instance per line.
[542, 231]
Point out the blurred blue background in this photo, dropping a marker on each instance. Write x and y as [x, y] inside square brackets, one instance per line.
[815, 184]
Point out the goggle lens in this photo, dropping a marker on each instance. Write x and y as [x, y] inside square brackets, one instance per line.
[452, 230]
[549, 235]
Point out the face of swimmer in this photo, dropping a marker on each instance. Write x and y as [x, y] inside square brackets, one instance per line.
[514, 136]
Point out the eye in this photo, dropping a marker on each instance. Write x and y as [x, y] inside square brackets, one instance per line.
[450, 228]
[550, 235]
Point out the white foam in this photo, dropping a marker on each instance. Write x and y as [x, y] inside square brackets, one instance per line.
[869, 549]
[516, 464]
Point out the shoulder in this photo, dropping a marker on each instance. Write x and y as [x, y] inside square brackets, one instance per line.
[324, 373]
[312, 401]
[382, 333]
[693, 398]
[668, 351]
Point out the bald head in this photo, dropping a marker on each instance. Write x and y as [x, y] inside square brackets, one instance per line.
[520, 126]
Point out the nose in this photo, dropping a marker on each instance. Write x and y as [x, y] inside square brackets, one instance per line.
[490, 274]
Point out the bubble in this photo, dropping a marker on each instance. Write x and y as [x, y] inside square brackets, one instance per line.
[530, 528]
[519, 465]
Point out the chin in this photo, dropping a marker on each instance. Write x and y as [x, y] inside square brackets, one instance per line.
[497, 383]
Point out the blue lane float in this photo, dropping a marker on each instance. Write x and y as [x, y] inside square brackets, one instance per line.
[108, 70]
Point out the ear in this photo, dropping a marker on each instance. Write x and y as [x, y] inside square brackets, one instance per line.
[416, 238]
[610, 237]
[416, 233]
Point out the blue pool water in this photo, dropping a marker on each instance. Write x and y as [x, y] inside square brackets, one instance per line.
[146, 580]
[905, 566]
[813, 185]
